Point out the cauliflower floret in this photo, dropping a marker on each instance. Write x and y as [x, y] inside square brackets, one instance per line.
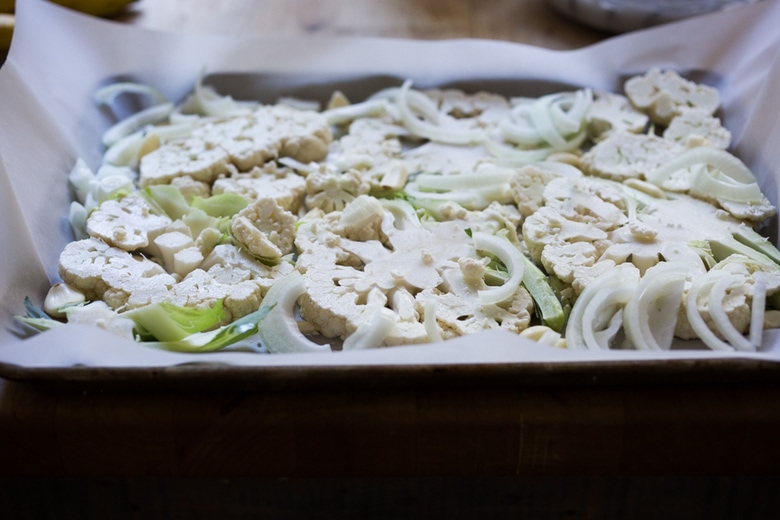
[107, 273]
[330, 190]
[243, 141]
[528, 185]
[584, 228]
[755, 212]
[187, 157]
[362, 219]
[231, 274]
[613, 113]
[458, 310]
[368, 143]
[281, 184]
[697, 127]
[622, 155]
[128, 223]
[265, 228]
[344, 276]
[191, 188]
[664, 94]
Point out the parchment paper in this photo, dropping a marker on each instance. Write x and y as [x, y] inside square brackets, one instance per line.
[48, 119]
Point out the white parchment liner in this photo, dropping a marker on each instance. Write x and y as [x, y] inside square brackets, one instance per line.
[48, 119]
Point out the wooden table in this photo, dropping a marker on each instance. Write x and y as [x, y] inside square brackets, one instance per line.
[493, 450]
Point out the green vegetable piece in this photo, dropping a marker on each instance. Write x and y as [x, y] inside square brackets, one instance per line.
[547, 303]
[36, 318]
[217, 339]
[760, 243]
[169, 199]
[222, 205]
[167, 322]
[727, 246]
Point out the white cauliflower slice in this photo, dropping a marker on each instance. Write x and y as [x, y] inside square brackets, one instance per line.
[611, 112]
[242, 141]
[623, 155]
[457, 308]
[693, 127]
[665, 94]
[107, 273]
[587, 225]
[269, 181]
[265, 229]
[329, 190]
[528, 184]
[369, 147]
[345, 276]
[191, 188]
[129, 223]
[229, 274]
[444, 159]
[190, 157]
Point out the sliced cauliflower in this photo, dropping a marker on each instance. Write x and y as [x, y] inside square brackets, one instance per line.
[107, 273]
[191, 188]
[243, 141]
[458, 310]
[665, 94]
[589, 225]
[129, 223]
[265, 229]
[270, 181]
[330, 190]
[694, 127]
[344, 276]
[623, 155]
[528, 185]
[611, 112]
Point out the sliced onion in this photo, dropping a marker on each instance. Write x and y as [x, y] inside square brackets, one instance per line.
[604, 308]
[540, 115]
[467, 181]
[345, 114]
[431, 131]
[130, 124]
[372, 332]
[715, 184]
[595, 294]
[758, 308]
[718, 159]
[468, 199]
[429, 321]
[418, 102]
[107, 94]
[700, 327]
[719, 316]
[511, 156]
[520, 132]
[279, 330]
[654, 330]
[510, 256]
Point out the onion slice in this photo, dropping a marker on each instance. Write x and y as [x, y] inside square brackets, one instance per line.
[511, 257]
[650, 317]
